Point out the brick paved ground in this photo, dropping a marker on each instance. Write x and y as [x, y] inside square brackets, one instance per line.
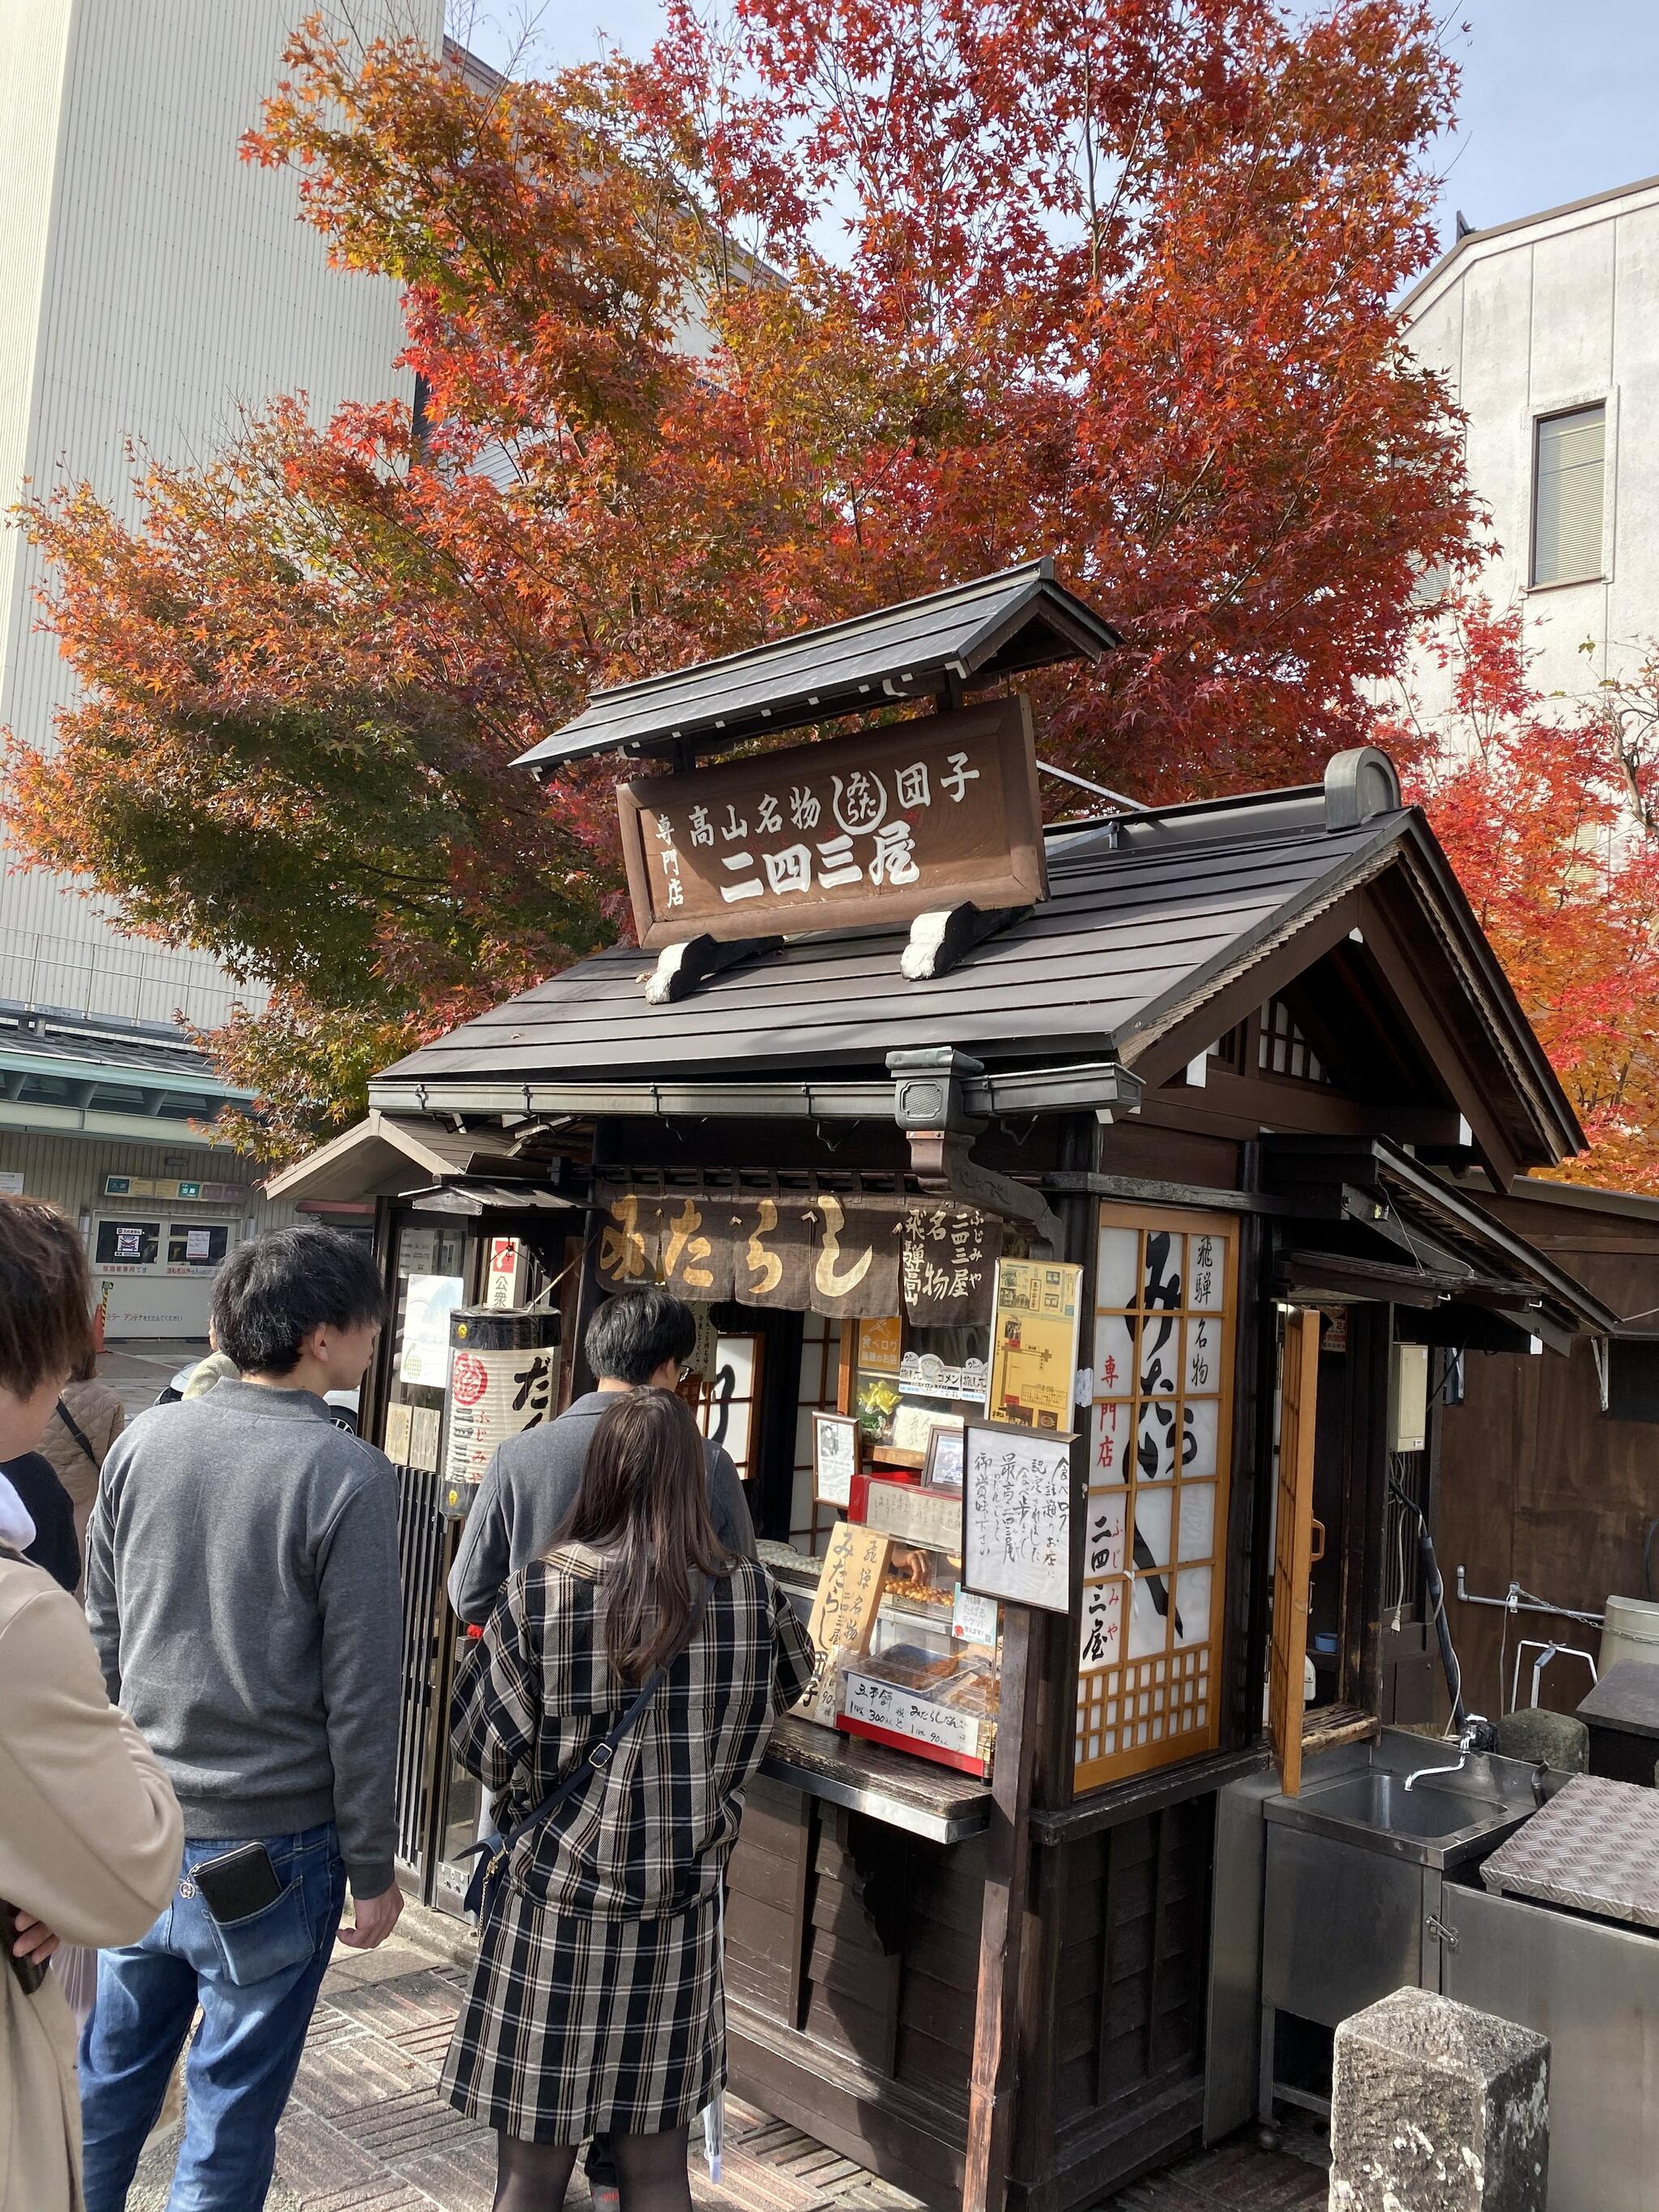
[366, 2130]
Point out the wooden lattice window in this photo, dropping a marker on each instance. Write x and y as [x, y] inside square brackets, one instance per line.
[1283, 1049]
[1154, 1568]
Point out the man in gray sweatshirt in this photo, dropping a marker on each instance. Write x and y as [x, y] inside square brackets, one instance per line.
[242, 1591]
[638, 1341]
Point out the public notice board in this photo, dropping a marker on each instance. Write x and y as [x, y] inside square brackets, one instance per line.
[880, 827]
[1017, 1537]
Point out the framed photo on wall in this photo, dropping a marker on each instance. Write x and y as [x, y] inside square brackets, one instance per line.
[835, 1458]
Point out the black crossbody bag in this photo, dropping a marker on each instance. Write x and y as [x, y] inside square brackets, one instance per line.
[494, 1852]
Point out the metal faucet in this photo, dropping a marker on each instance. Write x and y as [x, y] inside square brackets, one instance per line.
[1477, 1733]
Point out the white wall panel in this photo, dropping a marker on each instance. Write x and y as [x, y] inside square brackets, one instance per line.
[179, 289]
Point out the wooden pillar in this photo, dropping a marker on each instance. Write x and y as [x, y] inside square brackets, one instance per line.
[992, 2076]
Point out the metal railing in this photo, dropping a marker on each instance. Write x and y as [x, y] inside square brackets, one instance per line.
[123, 982]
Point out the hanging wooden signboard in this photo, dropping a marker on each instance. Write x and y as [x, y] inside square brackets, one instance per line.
[879, 827]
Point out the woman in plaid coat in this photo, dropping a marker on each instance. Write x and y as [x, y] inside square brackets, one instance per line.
[597, 2004]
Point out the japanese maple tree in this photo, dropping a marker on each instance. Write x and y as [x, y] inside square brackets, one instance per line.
[829, 303]
[1548, 809]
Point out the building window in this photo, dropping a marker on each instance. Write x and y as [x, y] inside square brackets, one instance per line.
[1282, 1049]
[1569, 461]
[1154, 1578]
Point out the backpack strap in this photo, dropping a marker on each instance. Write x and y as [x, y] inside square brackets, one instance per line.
[78, 1433]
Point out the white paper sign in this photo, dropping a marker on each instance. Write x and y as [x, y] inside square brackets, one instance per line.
[432, 1299]
[885, 1705]
[932, 1518]
[11, 1182]
[973, 1619]
[835, 1458]
[197, 1246]
[1017, 1540]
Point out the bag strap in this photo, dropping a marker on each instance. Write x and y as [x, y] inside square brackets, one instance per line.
[77, 1432]
[600, 1756]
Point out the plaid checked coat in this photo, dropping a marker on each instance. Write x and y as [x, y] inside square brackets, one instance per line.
[596, 2002]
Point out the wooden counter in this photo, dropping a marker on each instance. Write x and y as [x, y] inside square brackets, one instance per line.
[891, 1786]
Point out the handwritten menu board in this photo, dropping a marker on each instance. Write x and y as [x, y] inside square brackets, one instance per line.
[835, 1457]
[929, 1517]
[1016, 1543]
[844, 1610]
[1034, 1343]
[886, 1705]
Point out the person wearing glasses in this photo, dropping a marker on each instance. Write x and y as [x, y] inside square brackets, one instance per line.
[639, 1341]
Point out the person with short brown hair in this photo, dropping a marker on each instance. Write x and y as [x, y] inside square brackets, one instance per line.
[45, 1317]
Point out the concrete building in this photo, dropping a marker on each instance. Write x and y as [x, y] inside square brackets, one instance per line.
[152, 287]
[1548, 330]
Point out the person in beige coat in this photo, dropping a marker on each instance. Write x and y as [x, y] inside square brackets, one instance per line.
[91, 1836]
[85, 1422]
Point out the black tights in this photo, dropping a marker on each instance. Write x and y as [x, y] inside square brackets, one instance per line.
[651, 2172]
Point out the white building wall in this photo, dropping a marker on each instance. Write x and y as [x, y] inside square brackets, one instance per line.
[1530, 320]
[152, 286]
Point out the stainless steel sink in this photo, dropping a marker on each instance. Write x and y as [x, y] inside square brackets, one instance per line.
[1362, 1799]
[1358, 1866]
[1383, 1801]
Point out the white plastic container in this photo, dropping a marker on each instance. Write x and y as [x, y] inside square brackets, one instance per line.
[1630, 1630]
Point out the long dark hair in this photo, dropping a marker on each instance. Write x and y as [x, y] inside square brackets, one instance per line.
[644, 1501]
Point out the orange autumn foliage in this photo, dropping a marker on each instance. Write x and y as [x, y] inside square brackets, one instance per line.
[831, 302]
[1549, 811]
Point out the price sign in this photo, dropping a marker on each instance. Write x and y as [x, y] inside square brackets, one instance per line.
[885, 1705]
[1017, 1541]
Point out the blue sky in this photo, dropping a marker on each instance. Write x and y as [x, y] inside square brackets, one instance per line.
[1560, 97]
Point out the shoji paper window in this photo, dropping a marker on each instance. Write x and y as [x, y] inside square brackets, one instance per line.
[1160, 1438]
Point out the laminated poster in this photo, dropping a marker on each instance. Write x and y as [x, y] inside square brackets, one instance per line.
[1034, 1343]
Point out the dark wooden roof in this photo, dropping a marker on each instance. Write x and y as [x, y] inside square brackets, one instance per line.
[1120, 936]
[975, 632]
[1153, 921]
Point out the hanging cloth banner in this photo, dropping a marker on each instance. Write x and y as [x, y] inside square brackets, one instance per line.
[630, 1242]
[697, 1248]
[849, 1255]
[771, 1253]
[856, 1256]
[949, 1260]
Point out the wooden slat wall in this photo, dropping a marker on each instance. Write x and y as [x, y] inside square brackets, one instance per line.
[866, 1943]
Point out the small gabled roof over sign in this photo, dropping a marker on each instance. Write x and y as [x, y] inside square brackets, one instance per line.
[970, 634]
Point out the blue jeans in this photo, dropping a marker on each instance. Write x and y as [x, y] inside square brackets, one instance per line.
[256, 1981]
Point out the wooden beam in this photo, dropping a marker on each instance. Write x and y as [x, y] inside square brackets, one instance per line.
[993, 2075]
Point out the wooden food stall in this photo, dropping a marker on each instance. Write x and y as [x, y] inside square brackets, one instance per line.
[1062, 1207]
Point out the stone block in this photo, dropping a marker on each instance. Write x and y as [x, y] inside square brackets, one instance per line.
[1438, 2108]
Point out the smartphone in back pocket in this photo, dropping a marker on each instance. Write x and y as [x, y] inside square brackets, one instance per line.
[238, 1884]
